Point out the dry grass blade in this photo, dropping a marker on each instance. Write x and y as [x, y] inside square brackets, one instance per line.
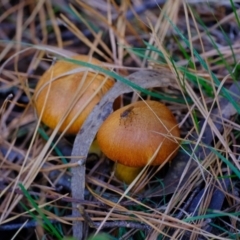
[222, 113]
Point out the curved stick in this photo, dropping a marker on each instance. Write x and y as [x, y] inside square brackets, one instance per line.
[86, 135]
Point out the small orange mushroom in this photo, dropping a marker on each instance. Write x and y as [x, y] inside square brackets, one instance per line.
[131, 135]
[59, 87]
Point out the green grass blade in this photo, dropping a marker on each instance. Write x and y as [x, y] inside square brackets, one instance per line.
[49, 226]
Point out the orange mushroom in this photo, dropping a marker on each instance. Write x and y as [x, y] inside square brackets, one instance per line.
[59, 87]
[131, 135]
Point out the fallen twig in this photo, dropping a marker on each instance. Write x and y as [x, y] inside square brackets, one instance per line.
[82, 143]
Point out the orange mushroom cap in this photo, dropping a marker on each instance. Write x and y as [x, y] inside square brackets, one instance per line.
[62, 90]
[131, 135]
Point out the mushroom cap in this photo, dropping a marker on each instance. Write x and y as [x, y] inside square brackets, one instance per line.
[132, 134]
[63, 89]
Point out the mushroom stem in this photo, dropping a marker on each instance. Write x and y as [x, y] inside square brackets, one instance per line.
[95, 149]
[126, 174]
